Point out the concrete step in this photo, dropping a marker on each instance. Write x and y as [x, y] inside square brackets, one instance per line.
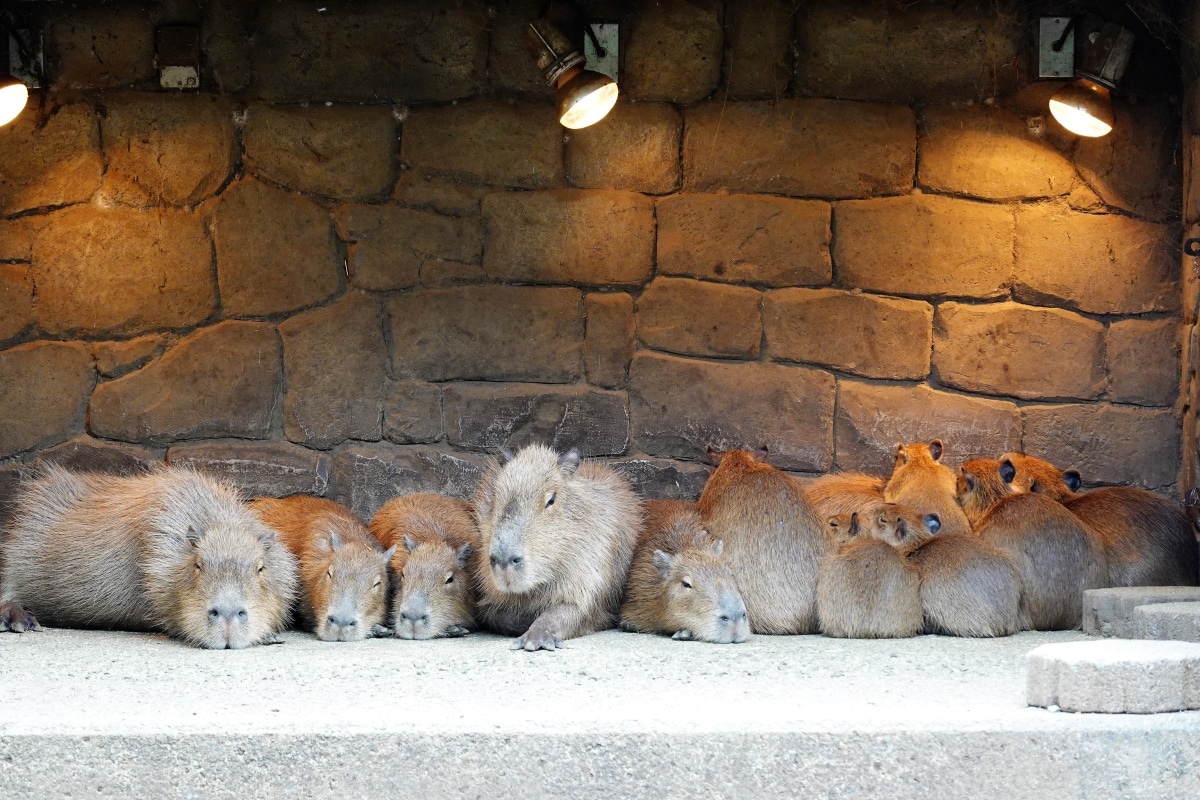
[614, 715]
[1115, 676]
[1177, 621]
[1110, 612]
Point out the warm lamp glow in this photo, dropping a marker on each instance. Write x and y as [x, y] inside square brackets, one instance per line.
[585, 98]
[13, 96]
[1084, 108]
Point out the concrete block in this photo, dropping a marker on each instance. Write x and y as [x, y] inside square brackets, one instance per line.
[1114, 676]
[1179, 622]
[1109, 612]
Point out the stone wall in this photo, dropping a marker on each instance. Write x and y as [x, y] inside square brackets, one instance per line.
[366, 255]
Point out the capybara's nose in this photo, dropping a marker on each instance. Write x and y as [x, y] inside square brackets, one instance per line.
[415, 617]
[228, 613]
[339, 621]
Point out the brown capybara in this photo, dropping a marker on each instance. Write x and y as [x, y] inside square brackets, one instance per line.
[922, 482]
[868, 589]
[170, 550]
[437, 544]
[1055, 554]
[844, 493]
[1148, 540]
[968, 587]
[343, 570]
[558, 536]
[773, 539]
[680, 583]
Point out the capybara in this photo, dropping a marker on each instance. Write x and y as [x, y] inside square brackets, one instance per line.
[922, 482]
[1148, 540]
[169, 550]
[1055, 554]
[559, 536]
[844, 493]
[968, 587]
[343, 569]
[437, 544]
[773, 539]
[679, 582]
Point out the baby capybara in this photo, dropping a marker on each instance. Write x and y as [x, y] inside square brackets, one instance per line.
[922, 482]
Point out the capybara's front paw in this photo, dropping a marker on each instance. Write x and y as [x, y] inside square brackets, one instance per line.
[380, 631]
[455, 630]
[538, 637]
[16, 619]
[271, 638]
[683, 636]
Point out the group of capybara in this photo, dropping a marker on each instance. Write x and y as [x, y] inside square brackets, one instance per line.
[554, 547]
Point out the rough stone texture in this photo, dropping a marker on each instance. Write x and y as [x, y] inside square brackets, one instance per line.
[608, 343]
[872, 418]
[220, 381]
[505, 144]
[758, 48]
[1103, 264]
[437, 194]
[483, 416]
[636, 147]
[85, 454]
[1115, 676]
[1142, 357]
[17, 235]
[334, 362]
[509, 66]
[100, 48]
[364, 477]
[699, 318]
[685, 34]
[439, 274]
[922, 53]
[412, 413]
[807, 147]
[1136, 167]
[389, 244]
[226, 31]
[663, 478]
[990, 153]
[258, 469]
[46, 387]
[275, 251]
[1191, 187]
[1120, 444]
[1179, 622]
[488, 333]
[680, 408]
[879, 337]
[60, 161]
[1010, 349]
[16, 300]
[176, 149]
[599, 238]
[368, 51]
[772, 241]
[345, 152]
[1110, 612]
[924, 245]
[114, 359]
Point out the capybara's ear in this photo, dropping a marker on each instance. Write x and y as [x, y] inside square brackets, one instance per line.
[387, 554]
[1007, 471]
[409, 544]
[935, 449]
[1072, 479]
[193, 536]
[901, 456]
[568, 462]
[967, 478]
[854, 524]
[505, 456]
[762, 453]
[933, 523]
[714, 455]
[717, 547]
[464, 554]
[663, 562]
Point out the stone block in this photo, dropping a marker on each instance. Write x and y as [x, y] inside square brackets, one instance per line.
[806, 147]
[758, 49]
[275, 251]
[491, 416]
[1115, 676]
[46, 388]
[416, 190]
[872, 418]
[1110, 612]
[1136, 167]
[488, 333]
[990, 153]
[101, 48]
[1143, 361]
[60, 159]
[509, 66]
[672, 51]
[636, 147]
[484, 141]
[773, 241]
[878, 337]
[599, 238]
[681, 407]
[402, 50]
[908, 53]
[85, 454]
[17, 235]
[389, 244]
[700, 318]
[1099, 263]
[114, 359]
[16, 300]
[227, 34]
[345, 152]
[366, 476]
[924, 245]
[609, 339]
[1119, 444]
[220, 381]
[334, 365]
[662, 478]
[412, 412]
[1011, 349]
[177, 149]
[439, 274]
[1190, 277]
[1178, 622]
[258, 469]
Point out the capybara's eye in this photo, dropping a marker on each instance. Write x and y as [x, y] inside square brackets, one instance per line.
[197, 566]
[378, 583]
[262, 568]
[329, 574]
[450, 579]
[553, 497]
[687, 585]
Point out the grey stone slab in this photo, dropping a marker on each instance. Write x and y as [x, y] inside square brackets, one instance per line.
[1176, 621]
[1109, 612]
[1115, 676]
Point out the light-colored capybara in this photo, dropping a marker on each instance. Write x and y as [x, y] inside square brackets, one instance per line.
[922, 482]
[1148, 540]
[1056, 555]
[170, 550]
[844, 493]
[680, 583]
[773, 539]
[343, 569]
[558, 535]
[968, 587]
[437, 546]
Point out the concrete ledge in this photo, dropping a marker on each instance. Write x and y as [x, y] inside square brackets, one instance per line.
[1177, 621]
[1109, 612]
[1115, 676]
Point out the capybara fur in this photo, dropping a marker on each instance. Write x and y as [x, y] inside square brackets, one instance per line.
[343, 569]
[680, 582]
[844, 493]
[922, 482]
[437, 544]
[1148, 539]
[169, 550]
[1055, 554]
[968, 587]
[558, 535]
[773, 538]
